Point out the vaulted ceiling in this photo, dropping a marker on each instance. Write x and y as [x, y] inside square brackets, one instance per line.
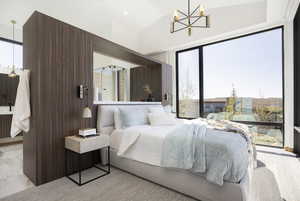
[141, 24]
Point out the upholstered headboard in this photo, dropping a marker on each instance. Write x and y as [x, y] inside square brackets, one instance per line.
[105, 114]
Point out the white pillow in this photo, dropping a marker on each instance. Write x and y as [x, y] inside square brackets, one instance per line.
[161, 119]
[106, 116]
[133, 116]
[106, 130]
[117, 118]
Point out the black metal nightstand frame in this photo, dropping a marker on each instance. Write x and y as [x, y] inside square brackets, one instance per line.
[79, 182]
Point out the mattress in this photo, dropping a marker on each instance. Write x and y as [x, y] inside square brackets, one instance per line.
[148, 147]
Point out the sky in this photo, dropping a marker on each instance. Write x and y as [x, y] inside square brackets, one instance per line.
[252, 64]
[6, 55]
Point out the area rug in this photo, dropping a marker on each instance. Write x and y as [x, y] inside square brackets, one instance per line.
[121, 186]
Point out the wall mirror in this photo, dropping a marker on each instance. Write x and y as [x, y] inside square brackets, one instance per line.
[111, 78]
[8, 85]
[119, 80]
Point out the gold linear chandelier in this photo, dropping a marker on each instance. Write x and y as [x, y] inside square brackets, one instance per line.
[189, 20]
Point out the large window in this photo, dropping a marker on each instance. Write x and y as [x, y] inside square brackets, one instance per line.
[6, 56]
[239, 79]
[188, 81]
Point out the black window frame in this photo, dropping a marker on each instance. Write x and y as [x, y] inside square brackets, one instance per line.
[11, 41]
[201, 96]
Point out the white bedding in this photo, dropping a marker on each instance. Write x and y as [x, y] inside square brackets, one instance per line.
[147, 148]
[144, 143]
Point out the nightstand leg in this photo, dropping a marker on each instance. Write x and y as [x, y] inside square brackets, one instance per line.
[108, 155]
[79, 166]
[66, 162]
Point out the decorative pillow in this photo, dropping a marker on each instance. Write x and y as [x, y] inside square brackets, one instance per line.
[161, 119]
[156, 110]
[118, 120]
[106, 130]
[106, 116]
[133, 116]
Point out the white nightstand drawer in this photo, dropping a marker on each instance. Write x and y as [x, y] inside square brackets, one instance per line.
[83, 145]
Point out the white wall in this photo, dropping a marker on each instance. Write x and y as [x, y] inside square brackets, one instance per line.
[223, 20]
[6, 32]
[289, 84]
[125, 34]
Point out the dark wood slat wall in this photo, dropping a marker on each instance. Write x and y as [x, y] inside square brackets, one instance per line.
[60, 57]
[112, 49]
[8, 89]
[297, 80]
[145, 75]
[5, 124]
[30, 61]
[8, 92]
[158, 77]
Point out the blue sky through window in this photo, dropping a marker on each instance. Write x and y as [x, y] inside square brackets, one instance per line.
[252, 64]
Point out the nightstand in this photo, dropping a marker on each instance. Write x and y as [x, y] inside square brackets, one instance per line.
[79, 146]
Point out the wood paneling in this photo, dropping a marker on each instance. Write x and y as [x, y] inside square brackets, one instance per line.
[158, 77]
[60, 57]
[8, 89]
[5, 123]
[30, 60]
[112, 49]
[141, 76]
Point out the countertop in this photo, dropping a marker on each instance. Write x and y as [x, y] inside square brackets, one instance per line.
[4, 110]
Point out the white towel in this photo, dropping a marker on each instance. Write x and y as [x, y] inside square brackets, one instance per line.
[21, 115]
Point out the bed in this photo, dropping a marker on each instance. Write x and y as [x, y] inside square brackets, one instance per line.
[143, 160]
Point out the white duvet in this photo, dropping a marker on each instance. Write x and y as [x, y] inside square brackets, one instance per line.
[141, 143]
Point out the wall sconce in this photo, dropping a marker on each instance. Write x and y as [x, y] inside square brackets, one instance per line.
[166, 96]
[82, 90]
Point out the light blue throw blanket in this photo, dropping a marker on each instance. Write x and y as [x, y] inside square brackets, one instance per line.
[219, 156]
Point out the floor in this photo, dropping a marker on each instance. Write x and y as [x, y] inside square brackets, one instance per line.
[117, 186]
[284, 165]
[286, 168]
[12, 179]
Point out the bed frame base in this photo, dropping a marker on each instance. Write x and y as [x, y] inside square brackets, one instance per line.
[182, 181]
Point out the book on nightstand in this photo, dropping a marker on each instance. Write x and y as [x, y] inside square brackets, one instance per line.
[87, 132]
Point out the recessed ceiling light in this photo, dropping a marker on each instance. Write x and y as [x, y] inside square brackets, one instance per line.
[125, 12]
